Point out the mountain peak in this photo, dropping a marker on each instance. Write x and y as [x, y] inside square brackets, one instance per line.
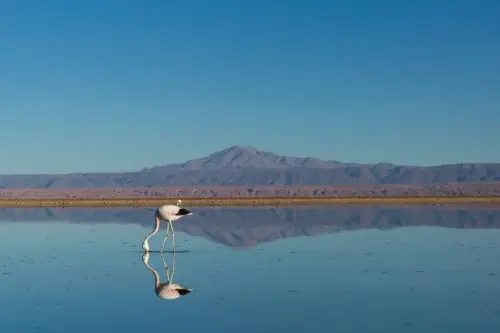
[239, 149]
[239, 156]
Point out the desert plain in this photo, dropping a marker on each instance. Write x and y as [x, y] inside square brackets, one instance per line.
[448, 193]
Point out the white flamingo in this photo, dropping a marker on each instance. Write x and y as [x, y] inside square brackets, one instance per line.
[168, 213]
[168, 290]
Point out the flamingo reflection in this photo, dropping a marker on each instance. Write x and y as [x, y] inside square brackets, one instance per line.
[165, 290]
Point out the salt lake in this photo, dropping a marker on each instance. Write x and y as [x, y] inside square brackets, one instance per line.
[432, 269]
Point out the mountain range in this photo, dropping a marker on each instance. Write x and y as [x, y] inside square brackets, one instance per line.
[247, 166]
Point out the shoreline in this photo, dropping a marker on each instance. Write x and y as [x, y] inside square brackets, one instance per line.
[242, 201]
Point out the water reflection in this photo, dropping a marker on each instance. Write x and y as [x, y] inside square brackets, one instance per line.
[248, 227]
[169, 289]
[88, 277]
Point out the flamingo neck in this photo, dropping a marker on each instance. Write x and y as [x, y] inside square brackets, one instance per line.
[155, 274]
[155, 230]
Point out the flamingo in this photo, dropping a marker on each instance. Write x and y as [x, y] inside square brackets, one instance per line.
[168, 290]
[168, 213]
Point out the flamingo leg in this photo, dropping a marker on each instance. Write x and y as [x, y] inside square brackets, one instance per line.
[173, 266]
[165, 238]
[173, 235]
[166, 267]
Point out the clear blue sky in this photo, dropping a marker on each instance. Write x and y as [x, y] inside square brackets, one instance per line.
[101, 85]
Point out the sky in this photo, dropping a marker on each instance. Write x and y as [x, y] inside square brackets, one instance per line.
[102, 85]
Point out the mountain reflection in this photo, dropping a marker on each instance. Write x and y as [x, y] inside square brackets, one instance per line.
[246, 227]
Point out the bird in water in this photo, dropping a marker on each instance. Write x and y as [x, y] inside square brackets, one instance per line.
[168, 213]
[168, 290]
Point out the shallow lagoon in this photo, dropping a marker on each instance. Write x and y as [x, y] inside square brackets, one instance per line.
[324, 269]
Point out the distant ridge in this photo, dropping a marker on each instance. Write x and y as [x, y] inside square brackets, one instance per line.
[248, 166]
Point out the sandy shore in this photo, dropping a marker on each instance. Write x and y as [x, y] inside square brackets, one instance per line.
[262, 201]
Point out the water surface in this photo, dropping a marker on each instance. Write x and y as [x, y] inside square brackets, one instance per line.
[327, 269]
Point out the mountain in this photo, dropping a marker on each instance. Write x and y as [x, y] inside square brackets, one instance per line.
[247, 166]
[247, 227]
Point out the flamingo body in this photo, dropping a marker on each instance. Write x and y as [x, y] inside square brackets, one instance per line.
[171, 213]
[171, 291]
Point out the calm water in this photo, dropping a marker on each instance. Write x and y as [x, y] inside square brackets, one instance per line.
[341, 269]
